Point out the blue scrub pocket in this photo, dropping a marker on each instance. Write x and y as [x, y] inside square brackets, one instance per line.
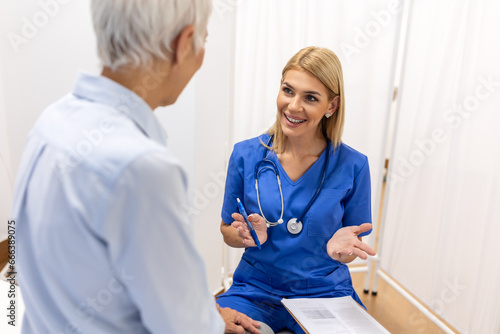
[337, 283]
[325, 215]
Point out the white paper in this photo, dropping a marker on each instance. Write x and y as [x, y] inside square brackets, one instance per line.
[340, 315]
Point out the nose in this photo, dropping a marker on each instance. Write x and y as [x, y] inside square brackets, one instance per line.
[295, 104]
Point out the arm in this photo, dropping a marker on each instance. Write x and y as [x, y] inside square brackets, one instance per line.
[148, 236]
[237, 234]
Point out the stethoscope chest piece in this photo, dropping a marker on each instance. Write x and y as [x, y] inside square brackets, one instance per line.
[293, 226]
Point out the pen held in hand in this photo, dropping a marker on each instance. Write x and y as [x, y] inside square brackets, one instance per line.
[243, 212]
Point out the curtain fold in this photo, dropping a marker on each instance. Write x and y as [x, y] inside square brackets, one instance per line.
[362, 34]
[442, 220]
[6, 177]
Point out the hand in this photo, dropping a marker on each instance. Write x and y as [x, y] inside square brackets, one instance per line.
[259, 225]
[345, 244]
[237, 323]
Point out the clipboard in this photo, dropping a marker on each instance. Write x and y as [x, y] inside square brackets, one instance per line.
[297, 320]
[332, 315]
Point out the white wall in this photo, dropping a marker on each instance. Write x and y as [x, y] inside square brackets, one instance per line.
[214, 106]
[39, 55]
[38, 72]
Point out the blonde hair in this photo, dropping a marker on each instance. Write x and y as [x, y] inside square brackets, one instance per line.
[323, 64]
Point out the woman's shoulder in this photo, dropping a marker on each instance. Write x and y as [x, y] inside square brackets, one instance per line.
[251, 144]
[350, 155]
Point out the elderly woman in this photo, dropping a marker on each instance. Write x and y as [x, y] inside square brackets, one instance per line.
[309, 194]
[103, 234]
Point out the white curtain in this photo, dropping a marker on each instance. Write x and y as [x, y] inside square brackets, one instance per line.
[6, 177]
[362, 34]
[442, 224]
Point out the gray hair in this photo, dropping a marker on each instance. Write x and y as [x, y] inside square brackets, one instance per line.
[134, 32]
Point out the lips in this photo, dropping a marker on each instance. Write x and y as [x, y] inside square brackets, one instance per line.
[294, 120]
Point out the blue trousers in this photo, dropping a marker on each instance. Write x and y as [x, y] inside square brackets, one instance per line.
[269, 311]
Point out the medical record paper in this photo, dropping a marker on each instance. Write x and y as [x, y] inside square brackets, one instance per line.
[340, 315]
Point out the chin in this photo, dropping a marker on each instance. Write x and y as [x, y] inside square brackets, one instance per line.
[169, 101]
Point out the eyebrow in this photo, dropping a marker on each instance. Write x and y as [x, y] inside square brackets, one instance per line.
[306, 92]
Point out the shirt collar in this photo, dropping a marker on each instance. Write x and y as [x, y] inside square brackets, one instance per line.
[106, 91]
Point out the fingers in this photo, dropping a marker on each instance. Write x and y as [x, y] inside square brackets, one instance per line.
[365, 248]
[359, 253]
[248, 323]
[255, 218]
[238, 217]
[348, 255]
[234, 329]
[365, 227]
[236, 224]
[243, 230]
[237, 323]
[360, 250]
[244, 234]
[259, 224]
[230, 318]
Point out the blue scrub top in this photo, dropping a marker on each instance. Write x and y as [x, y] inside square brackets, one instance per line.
[298, 265]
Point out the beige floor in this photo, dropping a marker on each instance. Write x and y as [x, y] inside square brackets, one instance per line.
[393, 311]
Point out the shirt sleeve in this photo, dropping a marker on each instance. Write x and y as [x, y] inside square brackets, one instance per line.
[357, 203]
[146, 226]
[234, 189]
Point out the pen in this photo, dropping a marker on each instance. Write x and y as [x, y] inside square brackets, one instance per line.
[243, 212]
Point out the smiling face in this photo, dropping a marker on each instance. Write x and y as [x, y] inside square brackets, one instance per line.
[302, 103]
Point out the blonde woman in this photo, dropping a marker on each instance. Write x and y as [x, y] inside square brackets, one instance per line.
[309, 195]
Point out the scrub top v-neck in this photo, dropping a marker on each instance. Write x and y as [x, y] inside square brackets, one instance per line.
[313, 168]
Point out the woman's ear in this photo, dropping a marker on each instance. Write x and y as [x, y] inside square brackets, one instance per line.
[334, 105]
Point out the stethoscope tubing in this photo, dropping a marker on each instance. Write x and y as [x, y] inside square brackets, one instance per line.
[274, 168]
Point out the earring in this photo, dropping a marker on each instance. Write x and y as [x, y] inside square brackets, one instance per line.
[328, 115]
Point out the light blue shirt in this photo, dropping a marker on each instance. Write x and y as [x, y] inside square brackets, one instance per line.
[103, 235]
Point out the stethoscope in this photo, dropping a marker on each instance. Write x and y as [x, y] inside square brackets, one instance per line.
[294, 225]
